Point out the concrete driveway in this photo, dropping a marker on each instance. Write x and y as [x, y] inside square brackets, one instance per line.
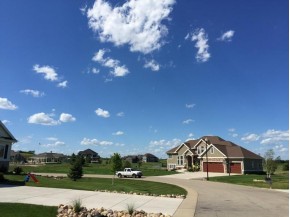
[195, 175]
[212, 199]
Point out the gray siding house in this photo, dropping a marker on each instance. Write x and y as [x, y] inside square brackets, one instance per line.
[6, 141]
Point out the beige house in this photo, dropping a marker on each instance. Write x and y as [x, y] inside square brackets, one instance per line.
[6, 141]
[213, 154]
[47, 158]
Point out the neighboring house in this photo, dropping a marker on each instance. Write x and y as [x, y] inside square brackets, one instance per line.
[223, 156]
[17, 157]
[132, 158]
[6, 141]
[149, 158]
[88, 153]
[47, 157]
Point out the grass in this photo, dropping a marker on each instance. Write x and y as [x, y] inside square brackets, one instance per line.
[27, 210]
[148, 169]
[92, 184]
[279, 180]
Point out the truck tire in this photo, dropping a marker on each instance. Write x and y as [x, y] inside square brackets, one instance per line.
[139, 176]
[134, 175]
[120, 175]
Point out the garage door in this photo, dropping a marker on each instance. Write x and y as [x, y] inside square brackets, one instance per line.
[214, 167]
[236, 168]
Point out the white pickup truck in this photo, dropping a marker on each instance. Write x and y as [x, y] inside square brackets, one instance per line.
[129, 172]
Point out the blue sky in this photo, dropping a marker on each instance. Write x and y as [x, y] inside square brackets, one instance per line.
[144, 76]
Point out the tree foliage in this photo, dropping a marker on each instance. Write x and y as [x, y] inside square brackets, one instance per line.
[270, 164]
[76, 170]
[127, 164]
[116, 162]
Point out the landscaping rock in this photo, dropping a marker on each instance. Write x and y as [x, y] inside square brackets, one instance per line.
[67, 211]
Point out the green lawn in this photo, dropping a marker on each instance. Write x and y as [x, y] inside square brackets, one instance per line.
[279, 180]
[92, 184]
[148, 169]
[26, 210]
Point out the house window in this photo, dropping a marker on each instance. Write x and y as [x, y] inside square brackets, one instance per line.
[202, 149]
[2, 151]
[212, 150]
[170, 156]
[171, 166]
[180, 160]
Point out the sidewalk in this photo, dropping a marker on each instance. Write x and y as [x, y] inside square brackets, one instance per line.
[90, 199]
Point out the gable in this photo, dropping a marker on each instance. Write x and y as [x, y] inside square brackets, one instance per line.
[182, 149]
[5, 134]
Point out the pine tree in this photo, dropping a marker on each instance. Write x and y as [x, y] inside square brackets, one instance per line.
[76, 170]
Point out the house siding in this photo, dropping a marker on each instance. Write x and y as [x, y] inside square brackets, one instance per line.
[4, 160]
[216, 153]
[171, 162]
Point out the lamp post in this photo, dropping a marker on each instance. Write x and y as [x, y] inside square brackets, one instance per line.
[206, 141]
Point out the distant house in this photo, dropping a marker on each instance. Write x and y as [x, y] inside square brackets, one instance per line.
[133, 158]
[17, 157]
[88, 153]
[46, 158]
[149, 158]
[6, 141]
[214, 154]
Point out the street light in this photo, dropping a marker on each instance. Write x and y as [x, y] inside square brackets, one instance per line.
[206, 141]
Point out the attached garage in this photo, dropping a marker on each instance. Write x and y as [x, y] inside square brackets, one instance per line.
[236, 168]
[215, 167]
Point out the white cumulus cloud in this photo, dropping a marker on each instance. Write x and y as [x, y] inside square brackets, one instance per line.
[227, 36]
[48, 71]
[6, 104]
[165, 143]
[118, 70]
[188, 121]
[34, 93]
[274, 136]
[137, 23]
[62, 84]
[42, 119]
[118, 133]
[64, 117]
[189, 105]
[102, 113]
[200, 37]
[120, 114]
[250, 138]
[152, 64]
[96, 142]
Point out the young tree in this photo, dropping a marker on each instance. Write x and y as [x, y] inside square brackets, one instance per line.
[269, 163]
[116, 162]
[76, 170]
[127, 164]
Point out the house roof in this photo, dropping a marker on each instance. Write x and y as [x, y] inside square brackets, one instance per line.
[149, 155]
[7, 135]
[48, 155]
[88, 152]
[228, 148]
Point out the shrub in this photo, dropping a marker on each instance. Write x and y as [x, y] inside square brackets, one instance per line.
[2, 177]
[285, 167]
[77, 205]
[17, 170]
[130, 208]
[127, 164]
